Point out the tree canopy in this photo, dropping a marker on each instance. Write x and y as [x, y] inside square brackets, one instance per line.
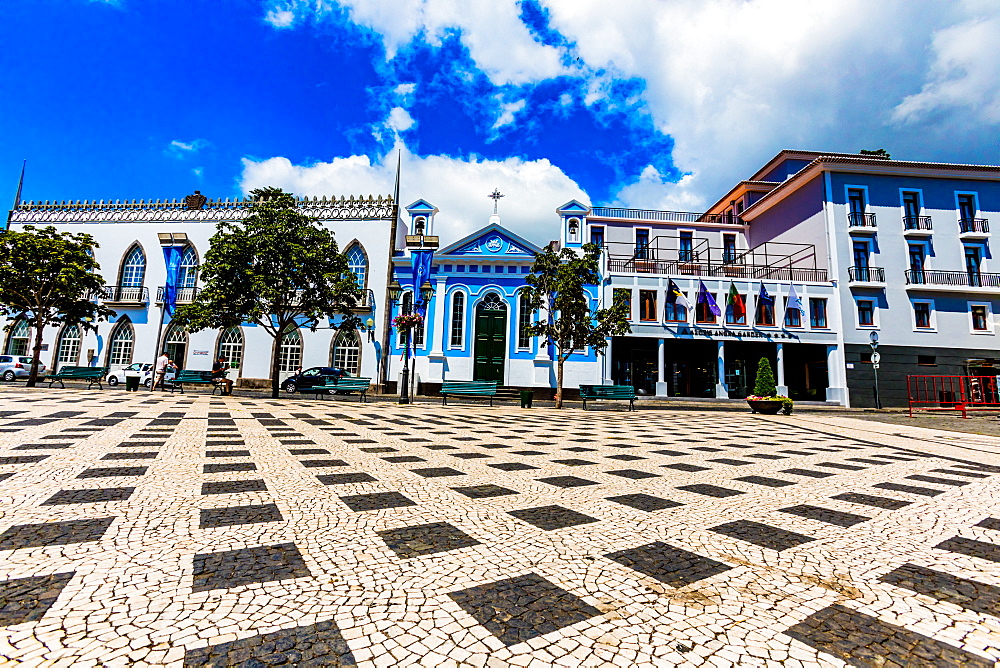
[278, 268]
[49, 277]
[557, 291]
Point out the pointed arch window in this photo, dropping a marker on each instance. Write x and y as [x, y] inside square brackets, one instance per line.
[357, 261]
[121, 344]
[418, 332]
[231, 347]
[290, 354]
[68, 351]
[457, 319]
[347, 352]
[187, 271]
[133, 268]
[17, 344]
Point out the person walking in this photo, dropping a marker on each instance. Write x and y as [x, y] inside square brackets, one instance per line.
[160, 371]
[219, 375]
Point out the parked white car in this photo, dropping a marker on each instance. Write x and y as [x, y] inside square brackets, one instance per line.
[142, 370]
[17, 366]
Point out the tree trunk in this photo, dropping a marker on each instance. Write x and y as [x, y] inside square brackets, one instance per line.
[560, 360]
[36, 351]
[276, 365]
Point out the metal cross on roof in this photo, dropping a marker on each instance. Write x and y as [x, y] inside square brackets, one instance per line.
[495, 196]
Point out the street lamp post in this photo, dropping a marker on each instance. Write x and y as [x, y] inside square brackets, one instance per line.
[420, 301]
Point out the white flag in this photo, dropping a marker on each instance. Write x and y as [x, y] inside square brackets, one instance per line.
[794, 301]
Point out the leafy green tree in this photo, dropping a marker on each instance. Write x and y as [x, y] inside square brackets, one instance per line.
[557, 291]
[277, 268]
[764, 385]
[49, 277]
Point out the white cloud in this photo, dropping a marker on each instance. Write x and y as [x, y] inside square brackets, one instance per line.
[180, 149]
[735, 81]
[399, 120]
[280, 18]
[962, 77]
[507, 111]
[459, 188]
[499, 43]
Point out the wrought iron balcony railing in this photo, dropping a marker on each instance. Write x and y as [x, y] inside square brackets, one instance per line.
[713, 270]
[860, 219]
[866, 274]
[124, 294]
[970, 279]
[980, 225]
[184, 295]
[917, 223]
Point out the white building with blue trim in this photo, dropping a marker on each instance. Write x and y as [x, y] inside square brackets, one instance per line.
[474, 325]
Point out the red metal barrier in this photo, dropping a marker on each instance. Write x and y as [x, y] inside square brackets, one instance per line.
[953, 393]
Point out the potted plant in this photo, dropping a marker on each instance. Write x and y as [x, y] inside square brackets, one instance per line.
[765, 398]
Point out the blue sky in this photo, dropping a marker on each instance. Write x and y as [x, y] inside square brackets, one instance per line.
[652, 105]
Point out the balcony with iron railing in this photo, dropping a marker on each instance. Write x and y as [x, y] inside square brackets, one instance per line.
[672, 256]
[860, 219]
[618, 213]
[952, 279]
[866, 274]
[184, 295]
[974, 226]
[917, 224]
[123, 294]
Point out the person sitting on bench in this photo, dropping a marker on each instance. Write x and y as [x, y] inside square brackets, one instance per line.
[219, 375]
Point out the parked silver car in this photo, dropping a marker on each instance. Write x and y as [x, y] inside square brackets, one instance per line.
[17, 366]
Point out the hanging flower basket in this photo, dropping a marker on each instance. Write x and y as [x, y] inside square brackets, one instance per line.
[407, 321]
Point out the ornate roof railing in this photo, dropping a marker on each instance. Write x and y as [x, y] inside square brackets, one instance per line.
[210, 210]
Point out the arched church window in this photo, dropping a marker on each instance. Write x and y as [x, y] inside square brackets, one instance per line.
[347, 351]
[17, 344]
[358, 263]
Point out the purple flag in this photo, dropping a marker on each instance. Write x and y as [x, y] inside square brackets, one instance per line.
[705, 297]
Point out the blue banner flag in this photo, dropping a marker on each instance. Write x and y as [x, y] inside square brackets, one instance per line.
[763, 297]
[172, 258]
[705, 297]
[421, 260]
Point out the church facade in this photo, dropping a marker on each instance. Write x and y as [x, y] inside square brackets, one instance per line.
[474, 313]
[130, 236]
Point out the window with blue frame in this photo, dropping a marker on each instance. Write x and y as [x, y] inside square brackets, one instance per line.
[358, 263]
[457, 319]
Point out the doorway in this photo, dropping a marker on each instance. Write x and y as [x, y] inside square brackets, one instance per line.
[491, 339]
[175, 343]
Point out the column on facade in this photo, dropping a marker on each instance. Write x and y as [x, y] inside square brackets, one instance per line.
[721, 391]
[661, 381]
[440, 317]
[781, 386]
[836, 376]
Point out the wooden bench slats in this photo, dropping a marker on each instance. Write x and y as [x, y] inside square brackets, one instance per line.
[344, 384]
[192, 377]
[467, 388]
[600, 392]
[91, 374]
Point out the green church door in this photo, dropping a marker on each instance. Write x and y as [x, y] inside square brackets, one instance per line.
[491, 339]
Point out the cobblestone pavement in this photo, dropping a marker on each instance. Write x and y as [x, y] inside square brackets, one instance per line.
[189, 530]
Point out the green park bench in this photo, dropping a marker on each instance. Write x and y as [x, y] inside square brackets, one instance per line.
[91, 374]
[477, 389]
[608, 392]
[342, 385]
[190, 377]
